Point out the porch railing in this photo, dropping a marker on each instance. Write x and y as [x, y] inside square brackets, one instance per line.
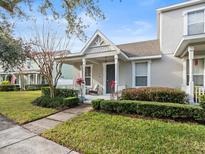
[198, 91]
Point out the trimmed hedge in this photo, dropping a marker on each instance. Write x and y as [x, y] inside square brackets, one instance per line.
[9, 87]
[71, 101]
[35, 86]
[155, 94]
[152, 109]
[202, 101]
[60, 92]
[57, 102]
[96, 104]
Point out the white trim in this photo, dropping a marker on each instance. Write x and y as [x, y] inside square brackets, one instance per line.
[146, 57]
[187, 40]
[185, 13]
[184, 72]
[193, 10]
[160, 31]
[178, 6]
[185, 24]
[91, 75]
[105, 74]
[148, 73]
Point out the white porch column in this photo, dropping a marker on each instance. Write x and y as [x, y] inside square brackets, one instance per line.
[36, 78]
[83, 75]
[116, 73]
[29, 79]
[191, 81]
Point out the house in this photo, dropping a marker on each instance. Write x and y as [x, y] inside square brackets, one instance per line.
[175, 59]
[30, 75]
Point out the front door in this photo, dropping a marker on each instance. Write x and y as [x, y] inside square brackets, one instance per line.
[110, 76]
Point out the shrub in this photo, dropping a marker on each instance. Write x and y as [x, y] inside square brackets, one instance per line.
[202, 101]
[71, 101]
[9, 87]
[57, 102]
[45, 101]
[153, 109]
[96, 104]
[5, 82]
[35, 86]
[156, 94]
[60, 92]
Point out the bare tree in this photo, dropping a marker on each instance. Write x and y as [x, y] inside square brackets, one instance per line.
[45, 46]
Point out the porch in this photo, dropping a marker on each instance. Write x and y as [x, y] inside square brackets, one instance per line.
[191, 51]
[24, 78]
[98, 72]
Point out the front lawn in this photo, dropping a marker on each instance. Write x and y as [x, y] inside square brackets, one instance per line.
[17, 106]
[95, 132]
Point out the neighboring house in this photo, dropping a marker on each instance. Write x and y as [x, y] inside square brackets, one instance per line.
[30, 75]
[175, 59]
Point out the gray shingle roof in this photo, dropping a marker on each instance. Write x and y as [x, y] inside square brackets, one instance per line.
[141, 49]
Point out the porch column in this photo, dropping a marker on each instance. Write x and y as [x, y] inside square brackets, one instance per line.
[36, 78]
[83, 75]
[116, 72]
[191, 81]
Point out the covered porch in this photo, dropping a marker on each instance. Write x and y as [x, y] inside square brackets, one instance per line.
[98, 64]
[98, 71]
[192, 52]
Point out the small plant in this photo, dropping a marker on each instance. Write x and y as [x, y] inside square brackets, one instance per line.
[112, 87]
[80, 82]
[5, 82]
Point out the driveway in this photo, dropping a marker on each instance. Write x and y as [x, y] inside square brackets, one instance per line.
[17, 140]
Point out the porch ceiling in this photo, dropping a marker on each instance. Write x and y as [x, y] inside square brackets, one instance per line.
[197, 41]
[93, 59]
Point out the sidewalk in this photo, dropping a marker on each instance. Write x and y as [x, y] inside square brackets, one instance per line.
[49, 122]
[25, 140]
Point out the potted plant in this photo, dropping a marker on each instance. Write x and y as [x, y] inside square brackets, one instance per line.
[80, 82]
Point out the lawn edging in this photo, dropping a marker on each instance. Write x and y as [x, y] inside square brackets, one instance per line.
[152, 109]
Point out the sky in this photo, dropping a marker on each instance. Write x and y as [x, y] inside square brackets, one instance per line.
[126, 21]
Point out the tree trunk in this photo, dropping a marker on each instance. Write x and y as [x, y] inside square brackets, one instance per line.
[52, 91]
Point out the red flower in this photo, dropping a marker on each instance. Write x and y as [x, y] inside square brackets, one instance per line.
[112, 84]
[79, 81]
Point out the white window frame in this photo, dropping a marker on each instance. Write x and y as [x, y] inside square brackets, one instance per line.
[148, 73]
[91, 76]
[185, 69]
[185, 14]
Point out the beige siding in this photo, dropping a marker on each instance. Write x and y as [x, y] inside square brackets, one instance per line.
[125, 74]
[172, 28]
[167, 72]
[97, 75]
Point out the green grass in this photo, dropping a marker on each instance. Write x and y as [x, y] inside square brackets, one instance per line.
[17, 106]
[103, 133]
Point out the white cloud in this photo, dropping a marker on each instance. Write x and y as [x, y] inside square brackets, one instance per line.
[137, 28]
[138, 31]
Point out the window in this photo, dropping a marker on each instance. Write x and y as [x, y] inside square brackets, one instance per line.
[198, 72]
[88, 78]
[196, 22]
[141, 74]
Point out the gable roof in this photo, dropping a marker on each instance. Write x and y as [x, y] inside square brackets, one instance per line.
[141, 49]
[131, 51]
[97, 33]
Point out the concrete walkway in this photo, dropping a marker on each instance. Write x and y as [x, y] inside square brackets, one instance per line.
[49, 122]
[15, 139]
